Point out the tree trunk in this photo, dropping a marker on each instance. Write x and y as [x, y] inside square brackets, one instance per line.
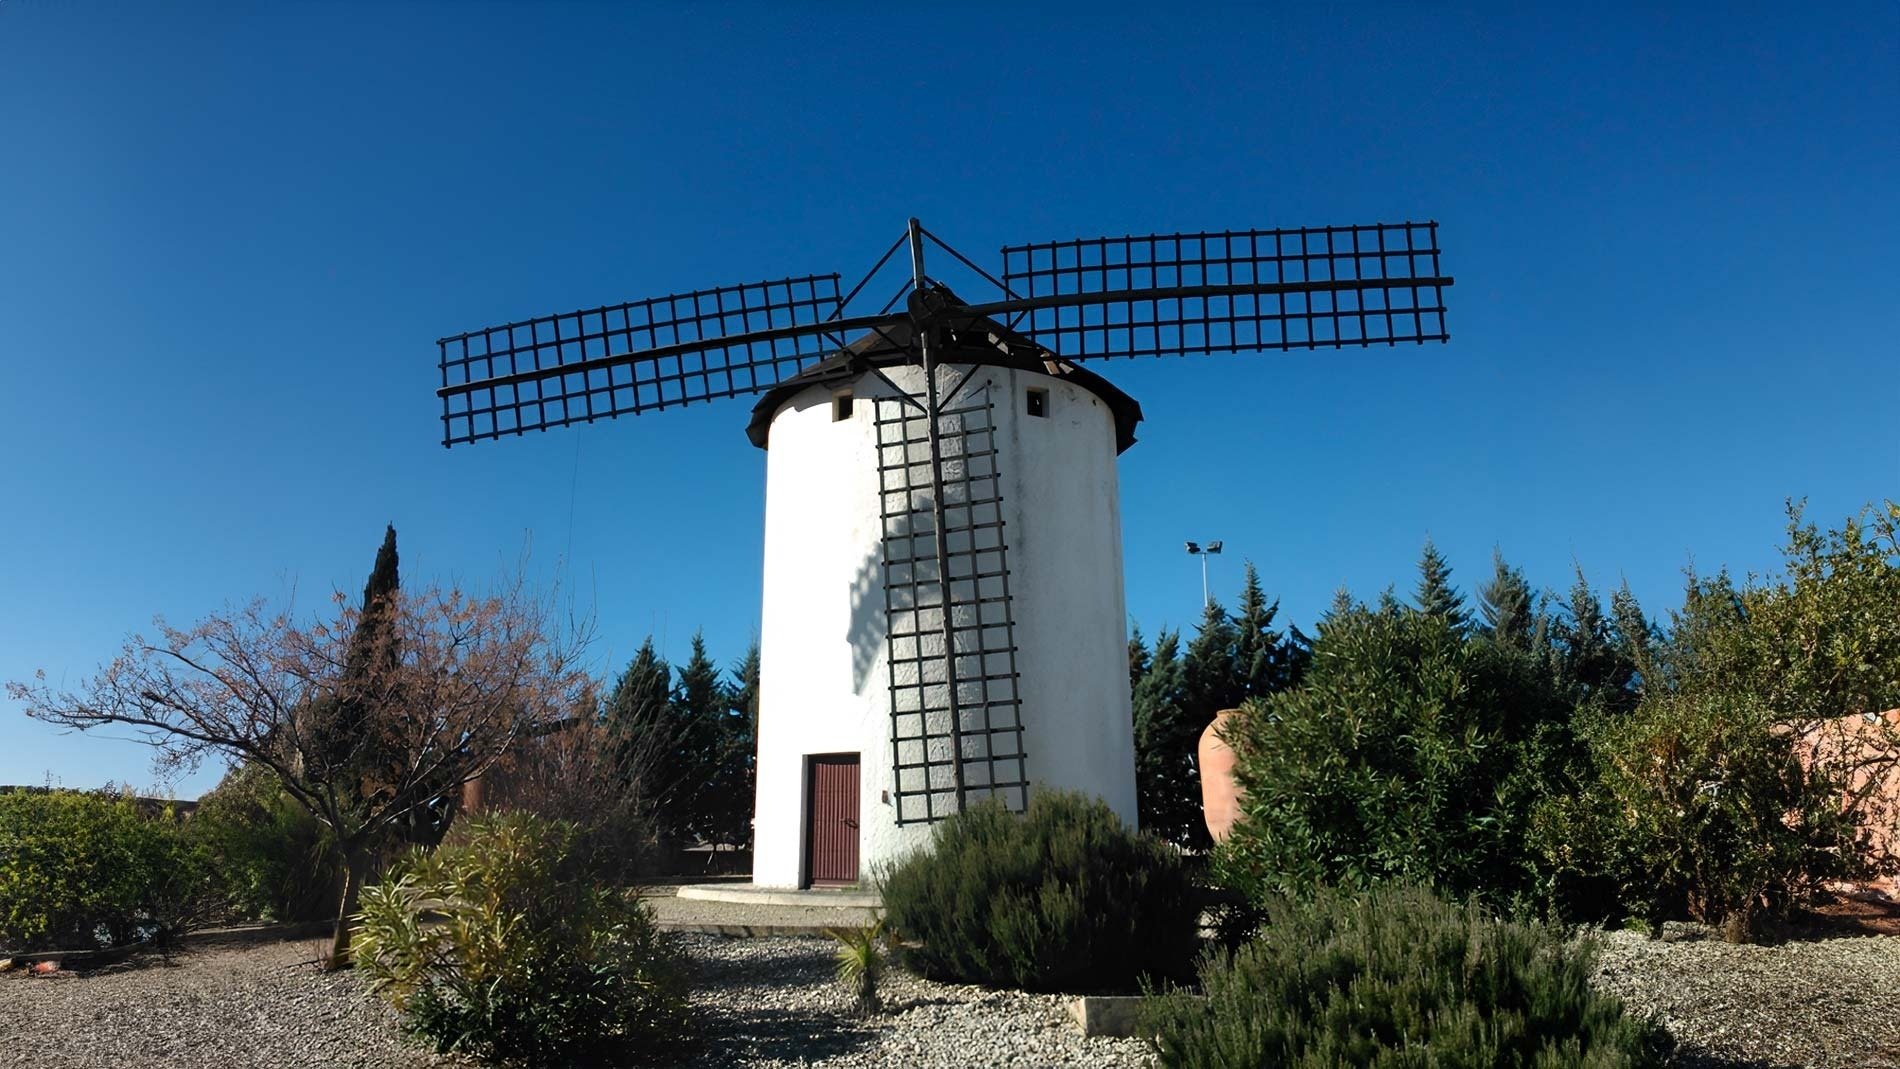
[355, 869]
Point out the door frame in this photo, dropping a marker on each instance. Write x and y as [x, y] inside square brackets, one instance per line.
[805, 824]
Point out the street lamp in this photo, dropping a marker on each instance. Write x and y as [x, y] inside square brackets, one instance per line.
[1195, 549]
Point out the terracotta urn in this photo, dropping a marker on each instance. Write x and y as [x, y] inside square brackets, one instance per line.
[1220, 795]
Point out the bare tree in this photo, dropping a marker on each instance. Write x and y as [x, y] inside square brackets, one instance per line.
[373, 717]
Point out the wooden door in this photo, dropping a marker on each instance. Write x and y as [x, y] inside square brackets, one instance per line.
[832, 809]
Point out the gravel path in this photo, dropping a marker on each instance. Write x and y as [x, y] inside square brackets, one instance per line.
[1826, 1003]
[771, 1002]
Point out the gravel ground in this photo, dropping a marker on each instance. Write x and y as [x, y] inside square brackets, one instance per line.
[772, 1002]
[767, 1002]
[1820, 1002]
[212, 1007]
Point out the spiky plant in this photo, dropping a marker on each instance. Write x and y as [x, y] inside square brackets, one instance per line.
[860, 961]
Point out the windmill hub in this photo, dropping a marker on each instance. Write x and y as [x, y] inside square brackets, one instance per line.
[943, 618]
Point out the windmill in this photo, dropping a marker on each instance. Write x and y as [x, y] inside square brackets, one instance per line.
[943, 616]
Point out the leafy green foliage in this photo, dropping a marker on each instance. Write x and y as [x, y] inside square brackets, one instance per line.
[84, 870]
[1702, 808]
[533, 960]
[1396, 978]
[1399, 757]
[1061, 897]
[272, 859]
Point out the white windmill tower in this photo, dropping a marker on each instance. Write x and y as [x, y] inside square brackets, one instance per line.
[943, 617]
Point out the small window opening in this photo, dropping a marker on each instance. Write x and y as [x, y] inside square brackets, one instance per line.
[1039, 402]
[841, 406]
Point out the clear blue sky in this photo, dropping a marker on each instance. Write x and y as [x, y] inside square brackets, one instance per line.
[228, 239]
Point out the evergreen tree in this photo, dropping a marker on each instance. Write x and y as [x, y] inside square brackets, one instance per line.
[699, 709]
[1158, 754]
[1138, 658]
[1341, 607]
[640, 731]
[1633, 636]
[1506, 605]
[1589, 660]
[1435, 595]
[1263, 657]
[738, 775]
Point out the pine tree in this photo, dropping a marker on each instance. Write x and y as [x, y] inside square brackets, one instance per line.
[1589, 660]
[1138, 658]
[1262, 655]
[1506, 605]
[738, 775]
[1634, 637]
[1157, 700]
[640, 731]
[1435, 595]
[699, 709]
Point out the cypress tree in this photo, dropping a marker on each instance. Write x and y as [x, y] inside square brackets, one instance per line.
[1435, 596]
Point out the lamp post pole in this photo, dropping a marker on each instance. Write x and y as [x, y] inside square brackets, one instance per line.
[1196, 549]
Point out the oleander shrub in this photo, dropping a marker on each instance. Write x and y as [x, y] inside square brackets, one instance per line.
[1398, 977]
[506, 944]
[1404, 755]
[1061, 897]
[82, 870]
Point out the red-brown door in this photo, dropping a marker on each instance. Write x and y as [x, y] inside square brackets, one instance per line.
[832, 849]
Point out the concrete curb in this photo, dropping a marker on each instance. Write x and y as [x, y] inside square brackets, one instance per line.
[747, 931]
[746, 894]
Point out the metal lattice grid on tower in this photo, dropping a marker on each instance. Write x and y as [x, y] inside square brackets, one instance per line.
[956, 721]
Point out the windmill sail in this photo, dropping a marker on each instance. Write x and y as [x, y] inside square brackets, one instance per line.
[1227, 292]
[639, 356]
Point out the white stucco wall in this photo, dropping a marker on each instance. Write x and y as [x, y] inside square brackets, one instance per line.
[823, 677]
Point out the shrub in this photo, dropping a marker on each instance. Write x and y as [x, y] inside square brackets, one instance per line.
[1401, 756]
[1702, 807]
[1062, 897]
[82, 870]
[533, 961]
[1398, 977]
[272, 859]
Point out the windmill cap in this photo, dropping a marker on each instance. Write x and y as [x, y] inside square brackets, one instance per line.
[974, 339]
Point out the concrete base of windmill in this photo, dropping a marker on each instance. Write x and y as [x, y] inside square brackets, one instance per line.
[1220, 795]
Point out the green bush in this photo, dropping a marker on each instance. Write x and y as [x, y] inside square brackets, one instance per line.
[84, 870]
[1403, 755]
[272, 859]
[1062, 897]
[1398, 977]
[1702, 807]
[504, 944]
